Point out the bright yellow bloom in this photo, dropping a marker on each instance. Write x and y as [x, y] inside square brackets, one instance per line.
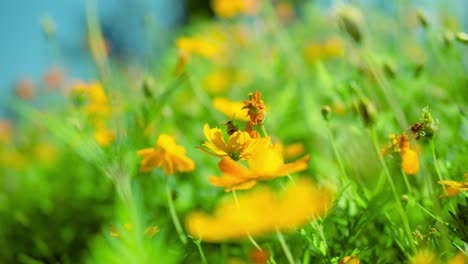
[231, 109]
[410, 161]
[459, 258]
[166, 154]
[265, 163]
[238, 147]
[261, 211]
[455, 187]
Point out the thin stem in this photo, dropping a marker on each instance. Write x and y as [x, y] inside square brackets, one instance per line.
[251, 239]
[408, 185]
[200, 250]
[392, 185]
[285, 247]
[344, 176]
[439, 175]
[175, 218]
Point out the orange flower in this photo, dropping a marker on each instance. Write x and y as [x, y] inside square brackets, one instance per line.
[238, 147]
[266, 163]
[166, 154]
[454, 187]
[349, 260]
[409, 157]
[299, 203]
[256, 108]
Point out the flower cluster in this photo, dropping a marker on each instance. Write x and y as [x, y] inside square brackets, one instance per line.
[264, 160]
[409, 157]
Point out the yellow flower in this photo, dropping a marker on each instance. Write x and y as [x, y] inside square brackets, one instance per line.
[409, 157]
[454, 187]
[227, 8]
[238, 147]
[104, 136]
[459, 258]
[424, 257]
[231, 109]
[166, 154]
[217, 81]
[349, 260]
[188, 46]
[265, 163]
[261, 211]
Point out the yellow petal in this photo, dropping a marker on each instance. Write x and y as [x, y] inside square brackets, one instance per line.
[409, 161]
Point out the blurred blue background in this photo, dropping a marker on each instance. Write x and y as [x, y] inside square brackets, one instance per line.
[26, 52]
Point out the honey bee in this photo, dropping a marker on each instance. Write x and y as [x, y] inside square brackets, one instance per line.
[231, 127]
[417, 129]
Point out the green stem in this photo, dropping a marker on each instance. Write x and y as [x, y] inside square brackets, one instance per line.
[394, 191]
[263, 130]
[439, 175]
[200, 250]
[343, 176]
[173, 213]
[251, 239]
[408, 185]
[285, 247]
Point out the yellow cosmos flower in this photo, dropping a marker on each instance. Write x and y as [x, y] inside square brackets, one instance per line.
[166, 154]
[231, 8]
[238, 147]
[104, 136]
[231, 109]
[424, 257]
[265, 163]
[217, 81]
[300, 203]
[455, 187]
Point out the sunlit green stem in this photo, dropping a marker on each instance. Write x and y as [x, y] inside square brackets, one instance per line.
[251, 239]
[200, 250]
[394, 191]
[173, 213]
[408, 185]
[285, 247]
[263, 130]
[439, 175]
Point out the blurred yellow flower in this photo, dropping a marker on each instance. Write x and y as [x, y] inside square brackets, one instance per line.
[231, 8]
[424, 257]
[46, 153]
[217, 81]
[409, 157]
[349, 260]
[266, 162]
[104, 136]
[238, 147]
[332, 47]
[459, 258]
[261, 211]
[292, 151]
[231, 109]
[166, 154]
[195, 45]
[455, 187]
[98, 101]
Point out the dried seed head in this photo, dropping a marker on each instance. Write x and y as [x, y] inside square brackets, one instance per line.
[326, 110]
[367, 111]
[350, 20]
[422, 18]
[147, 87]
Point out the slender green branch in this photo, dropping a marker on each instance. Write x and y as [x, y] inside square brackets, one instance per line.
[394, 191]
[200, 250]
[175, 218]
[285, 247]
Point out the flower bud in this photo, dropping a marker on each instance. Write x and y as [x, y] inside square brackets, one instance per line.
[462, 37]
[350, 20]
[367, 111]
[326, 110]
